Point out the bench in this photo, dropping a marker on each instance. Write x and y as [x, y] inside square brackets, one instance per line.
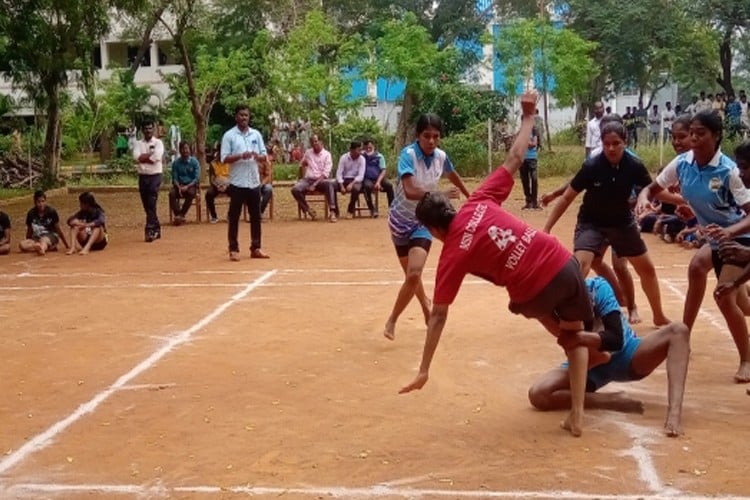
[76, 171]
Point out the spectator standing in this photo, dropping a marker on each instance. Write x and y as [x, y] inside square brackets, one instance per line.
[242, 147]
[654, 124]
[186, 176]
[593, 132]
[528, 173]
[668, 117]
[149, 153]
[703, 104]
[744, 113]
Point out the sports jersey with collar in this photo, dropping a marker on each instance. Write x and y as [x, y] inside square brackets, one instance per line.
[714, 192]
[606, 202]
[486, 241]
[425, 172]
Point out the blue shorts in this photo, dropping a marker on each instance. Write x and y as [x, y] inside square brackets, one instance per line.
[421, 232]
[616, 370]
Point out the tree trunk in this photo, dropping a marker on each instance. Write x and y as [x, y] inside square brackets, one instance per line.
[146, 37]
[725, 57]
[403, 131]
[51, 151]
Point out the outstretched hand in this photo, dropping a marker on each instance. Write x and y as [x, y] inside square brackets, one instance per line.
[416, 384]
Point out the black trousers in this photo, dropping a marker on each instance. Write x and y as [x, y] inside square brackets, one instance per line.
[148, 187]
[249, 197]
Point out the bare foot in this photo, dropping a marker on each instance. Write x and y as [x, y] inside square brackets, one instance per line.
[661, 320]
[390, 330]
[71, 251]
[573, 424]
[672, 426]
[83, 252]
[39, 249]
[743, 373]
[633, 317]
[597, 358]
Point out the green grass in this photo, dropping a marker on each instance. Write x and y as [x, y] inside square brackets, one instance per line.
[6, 194]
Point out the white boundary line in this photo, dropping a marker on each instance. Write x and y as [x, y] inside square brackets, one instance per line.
[377, 491]
[713, 319]
[41, 441]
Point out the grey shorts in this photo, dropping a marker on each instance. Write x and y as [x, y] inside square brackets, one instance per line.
[52, 237]
[565, 298]
[626, 240]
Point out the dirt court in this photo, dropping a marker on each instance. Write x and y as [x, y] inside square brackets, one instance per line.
[163, 370]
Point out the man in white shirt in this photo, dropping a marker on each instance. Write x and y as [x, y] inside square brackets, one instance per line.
[668, 117]
[704, 103]
[350, 174]
[745, 114]
[593, 132]
[149, 154]
[654, 123]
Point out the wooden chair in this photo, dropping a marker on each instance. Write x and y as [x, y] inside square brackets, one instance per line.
[316, 198]
[197, 202]
[361, 205]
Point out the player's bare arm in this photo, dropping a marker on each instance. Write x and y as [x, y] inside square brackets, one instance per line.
[438, 316]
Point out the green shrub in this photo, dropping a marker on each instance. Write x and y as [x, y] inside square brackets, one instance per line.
[286, 172]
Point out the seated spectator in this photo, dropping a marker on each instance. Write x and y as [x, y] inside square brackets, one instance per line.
[375, 176]
[218, 177]
[350, 174]
[296, 154]
[186, 177]
[266, 182]
[315, 170]
[4, 233]
[88, 230]
[43, 231]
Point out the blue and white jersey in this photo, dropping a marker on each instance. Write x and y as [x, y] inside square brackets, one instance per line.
[604, 302]
[426, 172]
[714, 192]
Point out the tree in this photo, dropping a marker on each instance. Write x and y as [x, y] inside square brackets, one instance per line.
[46, 39]
[639, 47]
[730, 19]
[552, 54]
[309, 71]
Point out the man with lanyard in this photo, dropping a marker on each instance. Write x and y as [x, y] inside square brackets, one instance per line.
[242, 148]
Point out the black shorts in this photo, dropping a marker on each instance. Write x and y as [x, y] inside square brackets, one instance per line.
[403, 250]
[625, 240]
[565, 298]
[716, 258]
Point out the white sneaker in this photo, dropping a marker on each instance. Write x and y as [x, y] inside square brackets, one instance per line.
[213, 220]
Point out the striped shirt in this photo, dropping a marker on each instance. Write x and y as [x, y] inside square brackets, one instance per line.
[425, 172]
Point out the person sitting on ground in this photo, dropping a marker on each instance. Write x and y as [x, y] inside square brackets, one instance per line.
[265, 169]
[218, 177]
[4, 233]
[315, 170]
[43, 231]
[186, 178]
[88, 229]
[350, 174]
[637, 358]
[375, 177]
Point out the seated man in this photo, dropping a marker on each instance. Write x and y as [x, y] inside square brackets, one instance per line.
[637, 358]
[218, 177]
[43, 230]
[350, 173]
[4, 233]
[375, 176]
[266, 183]
[315, 169]
[88, 228]
[186, 176]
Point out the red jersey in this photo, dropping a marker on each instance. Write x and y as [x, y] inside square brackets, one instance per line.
[486, 241]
